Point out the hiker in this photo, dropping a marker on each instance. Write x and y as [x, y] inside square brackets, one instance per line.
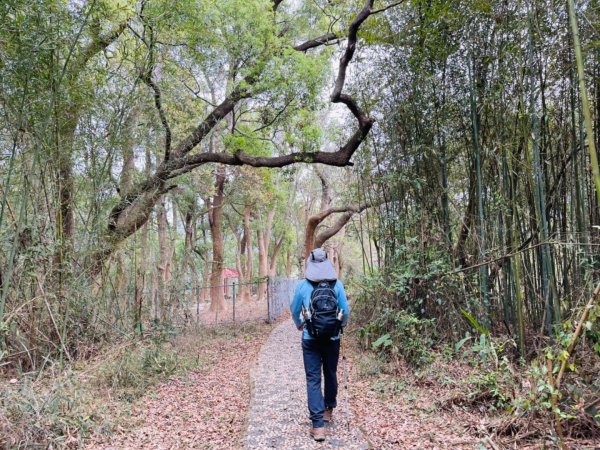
[320, 310]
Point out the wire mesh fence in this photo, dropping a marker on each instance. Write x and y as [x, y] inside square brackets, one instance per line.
[230, 302]
[183, 306]
[280, 293]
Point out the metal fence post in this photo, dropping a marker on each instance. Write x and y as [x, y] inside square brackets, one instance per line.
[233, 294]
[269, 295]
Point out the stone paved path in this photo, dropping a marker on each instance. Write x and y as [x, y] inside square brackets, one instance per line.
[278, 414]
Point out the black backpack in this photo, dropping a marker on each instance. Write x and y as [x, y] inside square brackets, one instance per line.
[323, 322]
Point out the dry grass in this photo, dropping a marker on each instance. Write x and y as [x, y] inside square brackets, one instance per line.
[457, 402]
[63, 408]
[205, 408]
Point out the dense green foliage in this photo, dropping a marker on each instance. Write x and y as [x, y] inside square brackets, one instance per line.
[93, 95]
[469, 221]
[480, 156]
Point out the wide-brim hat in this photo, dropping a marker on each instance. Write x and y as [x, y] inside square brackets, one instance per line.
[318, 266]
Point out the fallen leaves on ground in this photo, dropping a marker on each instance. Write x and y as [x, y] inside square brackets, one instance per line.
[205, 409]
[396, 412]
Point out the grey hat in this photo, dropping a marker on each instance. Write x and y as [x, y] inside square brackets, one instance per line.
[318, 267]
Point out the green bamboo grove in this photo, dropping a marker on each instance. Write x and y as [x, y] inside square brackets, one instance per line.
[486, 161]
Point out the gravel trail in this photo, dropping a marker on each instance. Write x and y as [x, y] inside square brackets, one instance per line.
[279, 415]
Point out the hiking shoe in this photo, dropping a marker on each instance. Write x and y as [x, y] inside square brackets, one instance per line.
[327, 414]
[318, 434]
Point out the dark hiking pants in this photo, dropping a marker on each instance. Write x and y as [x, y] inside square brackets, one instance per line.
[317, 354]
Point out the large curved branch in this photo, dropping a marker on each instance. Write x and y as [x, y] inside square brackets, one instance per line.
[331, 231]
[310, 241]
[141, 199]
[184, 164]
[350, 49]
[364, 121]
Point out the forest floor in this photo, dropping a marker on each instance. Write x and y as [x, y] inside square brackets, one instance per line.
[214, 407]
[242, 387]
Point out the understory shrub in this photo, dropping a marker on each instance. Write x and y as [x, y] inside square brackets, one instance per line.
[412, 299]
[398, 333]
[132, 372]
[64, 406]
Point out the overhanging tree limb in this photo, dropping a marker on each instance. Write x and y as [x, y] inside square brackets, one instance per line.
[317, 42]
[311, 241]
[341, 221]
[133, 210]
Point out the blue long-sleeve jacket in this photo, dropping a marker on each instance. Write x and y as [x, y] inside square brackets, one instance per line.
[302, 297]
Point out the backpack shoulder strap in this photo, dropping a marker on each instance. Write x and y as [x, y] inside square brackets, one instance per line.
[331, 284]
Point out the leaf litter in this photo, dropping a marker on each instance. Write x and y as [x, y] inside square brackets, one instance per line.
[204, 409]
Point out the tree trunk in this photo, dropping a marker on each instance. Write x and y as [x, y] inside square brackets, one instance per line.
[215, 218]
[67, 114]
[246, 287]
[188, 259]
[140, 284]
[163, 263]
[460, 254]
[274, 256]
[289, 263]
[264, 241]
[263, 266]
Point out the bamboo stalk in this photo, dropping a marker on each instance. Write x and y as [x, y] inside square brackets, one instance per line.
[483, 269]
[584, 315]
[546, 272]
[585, 105]
[555, 382]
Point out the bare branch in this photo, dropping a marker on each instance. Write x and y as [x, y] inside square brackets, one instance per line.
[317, 42]
[197, 95]
[275, 118]
[393, 5]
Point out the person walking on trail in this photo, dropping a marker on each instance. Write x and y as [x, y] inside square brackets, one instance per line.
[320, 310]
